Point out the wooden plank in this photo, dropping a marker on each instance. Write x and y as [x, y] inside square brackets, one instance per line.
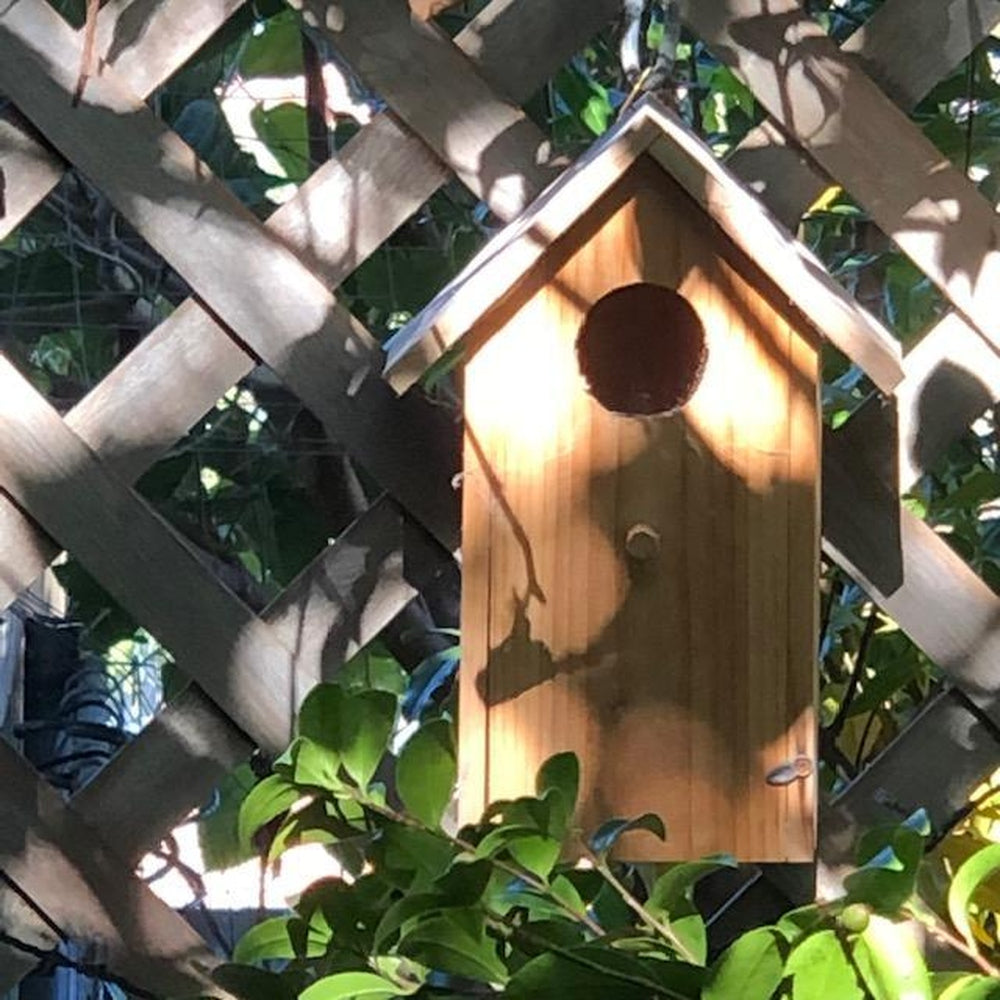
[47, 469]
[952, 376]
[934, 596]
[340, 216]
[147, 41]
[337, 605]
[517, 45]
[933, 763]
[426, 9]
[467, 303]
[823, 100]
[494, 149]
[943, 31]
[310, 341]
[563, 481]
[88, 894]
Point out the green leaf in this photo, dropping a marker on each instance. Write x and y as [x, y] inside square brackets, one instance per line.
[426, 772]
[560, 776]
[351, 986]
[890, 858]
[406, 856]
[218, 830]
[311, 763]
[536, 853]
[273, 796]
[567, 894]
[375, 712]
[277, 50]
[355, 726]
[455, 942]
[608, 834]
[820, 968]
[751, 968]
[595, 972]
[248, 983]
[964, 986]
[890, 962]
[796, 924]
[273, 938]
[969, 877]
[672, 899]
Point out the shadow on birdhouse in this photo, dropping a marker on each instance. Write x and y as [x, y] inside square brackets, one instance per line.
[640, 510]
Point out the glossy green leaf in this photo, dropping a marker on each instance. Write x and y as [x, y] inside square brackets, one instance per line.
[795, 924]
[356, 726]
[311, 763]
[351, 986]
[672, 899]
[888, 874]
[560, 776]
[820, 968]
[890, 961]
[375, 714]
[273, 796]
[426, 772]
[455, 942]
[609, 833]
[751, 968]
[536, 853]
[277, 50]
[964, 986]
[274, 938]
[248, 983]
[970, 875]
[567, 894]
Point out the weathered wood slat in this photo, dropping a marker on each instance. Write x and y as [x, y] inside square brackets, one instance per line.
[87, 893]
[144, 39]
[47, 469]
[825, 102]
[336, 606]
[340, 216]
[319, 350]
[955, 751]
[942, 31]
[494, 149]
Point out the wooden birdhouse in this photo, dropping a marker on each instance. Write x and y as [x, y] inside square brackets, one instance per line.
[640, 510]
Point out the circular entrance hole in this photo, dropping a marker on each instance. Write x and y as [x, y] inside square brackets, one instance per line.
[641, 350]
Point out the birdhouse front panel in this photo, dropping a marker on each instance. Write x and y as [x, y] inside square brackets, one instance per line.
[640, 535]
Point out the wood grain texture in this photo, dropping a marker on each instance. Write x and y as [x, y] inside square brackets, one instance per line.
[319, 350]
[147, 40]
[670, 709]
[823, 100]
[72, 876]
[466, 303]
[337, 605]
[944, 33]
[491, 145]
[47, 469]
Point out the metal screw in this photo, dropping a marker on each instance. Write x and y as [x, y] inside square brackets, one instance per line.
[797, 769]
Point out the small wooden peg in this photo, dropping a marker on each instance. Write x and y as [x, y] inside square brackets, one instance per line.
[642, 541]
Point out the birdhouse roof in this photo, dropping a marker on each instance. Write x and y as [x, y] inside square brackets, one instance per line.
[650, 130]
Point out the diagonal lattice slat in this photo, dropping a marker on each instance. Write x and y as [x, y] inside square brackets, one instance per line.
[168, 34]
[96, 413]
[501, 20]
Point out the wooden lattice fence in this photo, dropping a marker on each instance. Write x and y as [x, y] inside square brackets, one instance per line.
[455, 110]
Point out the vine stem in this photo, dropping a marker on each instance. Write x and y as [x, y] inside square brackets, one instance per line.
[515, 870]
[663, 929]
[938, 929]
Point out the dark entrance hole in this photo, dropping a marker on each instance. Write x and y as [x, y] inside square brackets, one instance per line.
[641, 350]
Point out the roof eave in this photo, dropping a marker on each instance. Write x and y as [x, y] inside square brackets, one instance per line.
[651, 129]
